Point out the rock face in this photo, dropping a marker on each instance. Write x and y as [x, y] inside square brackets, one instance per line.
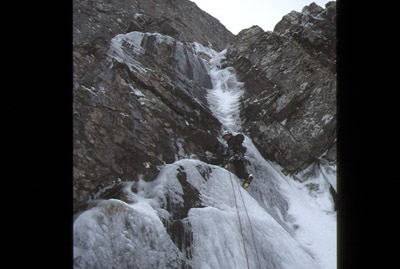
[149, 79]
[290, 79]
[140, 85]
[180, 19]
[139, 96]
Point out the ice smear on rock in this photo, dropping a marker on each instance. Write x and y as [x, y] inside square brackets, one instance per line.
[116, 233]
[293, 222]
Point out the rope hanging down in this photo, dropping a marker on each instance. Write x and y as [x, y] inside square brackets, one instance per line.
[251, 226]
[240, 222]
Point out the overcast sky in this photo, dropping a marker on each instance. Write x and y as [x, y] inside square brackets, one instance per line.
[237, 15]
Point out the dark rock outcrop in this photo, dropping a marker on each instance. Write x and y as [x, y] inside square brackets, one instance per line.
[289, 109]
[131, 118]
[180, 19]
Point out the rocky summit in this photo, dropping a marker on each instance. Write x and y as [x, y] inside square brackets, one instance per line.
[154, 84]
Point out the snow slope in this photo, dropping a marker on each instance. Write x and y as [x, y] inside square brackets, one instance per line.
[283, 223]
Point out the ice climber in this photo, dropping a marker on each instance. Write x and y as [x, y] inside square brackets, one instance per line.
[235, 155]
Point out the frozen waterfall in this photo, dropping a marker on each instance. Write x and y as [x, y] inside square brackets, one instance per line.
[224, 98]
[294, 222]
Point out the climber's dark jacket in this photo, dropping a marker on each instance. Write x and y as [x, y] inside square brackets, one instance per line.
[234, 155]
[235, 144]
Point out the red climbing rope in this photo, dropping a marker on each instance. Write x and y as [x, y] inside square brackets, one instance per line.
[240, 222]
[251, 226]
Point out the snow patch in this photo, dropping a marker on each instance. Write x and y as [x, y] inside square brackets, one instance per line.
[326, 118]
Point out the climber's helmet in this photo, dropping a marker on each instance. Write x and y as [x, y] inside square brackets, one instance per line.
[226, 135]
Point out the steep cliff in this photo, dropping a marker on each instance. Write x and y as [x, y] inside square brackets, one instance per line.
[155, 82]
[130, 118]
[290, 80]
[139, 89]
[180, 19]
